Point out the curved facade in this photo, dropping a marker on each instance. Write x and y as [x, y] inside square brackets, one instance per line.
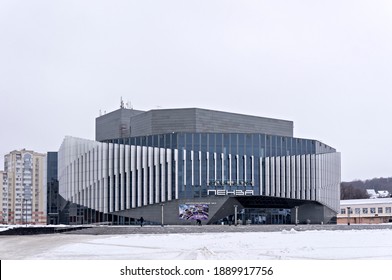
[134, 176]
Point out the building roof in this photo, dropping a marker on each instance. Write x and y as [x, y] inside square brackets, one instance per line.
[124, 123]
[349, 202]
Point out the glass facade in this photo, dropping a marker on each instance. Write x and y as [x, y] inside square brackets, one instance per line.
[231, 143]
[228, 161]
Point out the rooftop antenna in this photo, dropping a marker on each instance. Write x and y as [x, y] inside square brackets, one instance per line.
[100, 112]
[129, 105]
[121, 103]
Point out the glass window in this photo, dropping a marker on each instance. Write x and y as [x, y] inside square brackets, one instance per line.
[380, 210]
[357, 210]
[372, 210]
[241, 144]
[189, 141]
[387, 209]
[219, 143]
[364, 210]
[204, 143]
[196, 141]
[226, 147]
[211, 142]
[343, 211]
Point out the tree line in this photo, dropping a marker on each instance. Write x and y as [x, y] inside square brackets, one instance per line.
[357, 189]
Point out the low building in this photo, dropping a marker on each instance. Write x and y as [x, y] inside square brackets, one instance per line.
[365, 211]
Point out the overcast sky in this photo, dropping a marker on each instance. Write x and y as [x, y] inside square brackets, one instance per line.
[326, 65]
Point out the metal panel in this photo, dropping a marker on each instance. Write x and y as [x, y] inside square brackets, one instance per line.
[157, 169]
[151, 174]
[169, 174]
[133, 173]
[208, 167]
[104, 183]
[288, 176]
[111, 194]
[215, 169]
[163, 174]
[79, 177]
[116, 181]
[308, 179]
[303, 177]
[261, 175]
[96, 177]
[277, 176]
[193, 170]
[267, 176]
[223, 167]
[184, 163]
[283, 177]
[252, 170]
[245, 169]
[145, 175]
[128, 171]
[139, 176]
[318, 178]
[122, 181]
[238, 169]
[200, 169]
[176, 170]
[230, 177]
[273, 166]
[298, 175]
[313, 177]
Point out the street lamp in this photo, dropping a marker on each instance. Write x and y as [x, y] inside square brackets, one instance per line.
[235, 214]
[162, 204]
[348, 215]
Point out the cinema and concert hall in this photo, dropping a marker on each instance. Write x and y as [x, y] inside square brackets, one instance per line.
[191, 165]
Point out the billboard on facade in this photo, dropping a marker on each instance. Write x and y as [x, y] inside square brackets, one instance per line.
[193, 211]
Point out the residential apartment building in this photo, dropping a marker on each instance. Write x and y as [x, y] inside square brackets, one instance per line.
[3, 199]
[23, 190]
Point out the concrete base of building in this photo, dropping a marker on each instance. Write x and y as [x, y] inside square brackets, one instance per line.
[222, 208]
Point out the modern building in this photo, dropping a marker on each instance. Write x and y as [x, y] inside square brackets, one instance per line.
[174, 166]
[365, 211]
[24, 188]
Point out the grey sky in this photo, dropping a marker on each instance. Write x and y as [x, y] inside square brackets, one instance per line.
[326, 65]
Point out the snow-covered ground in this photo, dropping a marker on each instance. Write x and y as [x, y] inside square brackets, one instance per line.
[299, 245]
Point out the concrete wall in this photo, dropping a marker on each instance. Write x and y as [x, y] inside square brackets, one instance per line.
[153, 213]
[315, 213]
